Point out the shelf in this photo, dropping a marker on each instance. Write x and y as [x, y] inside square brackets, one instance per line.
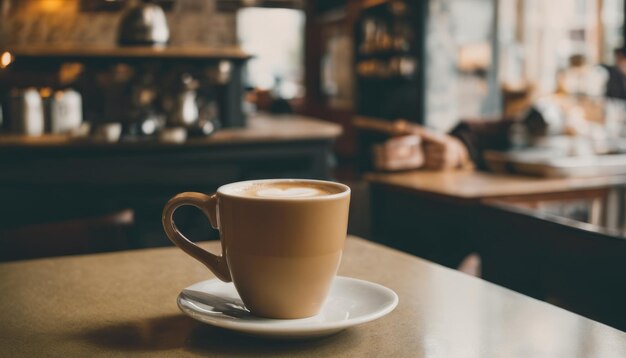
[368, 4]
[130, 52]
[395, 78]
[384, 54]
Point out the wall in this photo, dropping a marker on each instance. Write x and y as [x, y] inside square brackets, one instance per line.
[460, 38]
[60, 22]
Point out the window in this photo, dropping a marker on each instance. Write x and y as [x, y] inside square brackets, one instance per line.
[275, 38]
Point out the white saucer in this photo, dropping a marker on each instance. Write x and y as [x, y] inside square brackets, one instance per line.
[350, 302]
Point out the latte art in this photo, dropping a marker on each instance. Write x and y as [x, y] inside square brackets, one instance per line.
[284, 189]
[289, 193]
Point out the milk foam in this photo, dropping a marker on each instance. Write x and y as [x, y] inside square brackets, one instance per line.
[281, 189]
[293, 192]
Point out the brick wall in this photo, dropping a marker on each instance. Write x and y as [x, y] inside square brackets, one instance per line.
[60, 22]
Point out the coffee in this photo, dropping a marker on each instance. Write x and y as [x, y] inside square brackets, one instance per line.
[282, 189]
[282, 241]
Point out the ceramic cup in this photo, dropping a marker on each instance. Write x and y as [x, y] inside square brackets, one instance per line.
[282, 241]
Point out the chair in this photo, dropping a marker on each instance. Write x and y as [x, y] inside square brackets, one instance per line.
[103, 233]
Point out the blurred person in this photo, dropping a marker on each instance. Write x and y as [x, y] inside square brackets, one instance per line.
[616, 83]
[465, 144]
[445, 152]
[578, 109]
[582, 78]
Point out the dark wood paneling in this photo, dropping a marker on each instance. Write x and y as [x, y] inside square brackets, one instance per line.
[52, 184]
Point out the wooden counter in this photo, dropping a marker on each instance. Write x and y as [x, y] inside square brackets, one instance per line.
[79, 179]
[268, 145]
[124, 304]
[470, 185]
[262, 128]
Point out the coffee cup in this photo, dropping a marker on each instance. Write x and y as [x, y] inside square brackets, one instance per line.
[282, 241]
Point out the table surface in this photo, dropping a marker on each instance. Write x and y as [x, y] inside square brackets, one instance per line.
[260, 128]
[125, 303]
[472, 185]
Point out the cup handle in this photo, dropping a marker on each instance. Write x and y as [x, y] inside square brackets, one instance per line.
[208, 205]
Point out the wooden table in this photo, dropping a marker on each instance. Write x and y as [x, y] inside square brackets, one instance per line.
[444, 216]
[472, 186]
[123, 303]
[439, 206]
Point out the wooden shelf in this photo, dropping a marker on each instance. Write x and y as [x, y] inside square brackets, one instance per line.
[130, 52]
[367, 4]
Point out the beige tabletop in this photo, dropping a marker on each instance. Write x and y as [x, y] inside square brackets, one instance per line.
[471, 184]
[124, 303]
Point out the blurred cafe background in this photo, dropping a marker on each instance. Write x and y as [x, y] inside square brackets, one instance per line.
[488, 136]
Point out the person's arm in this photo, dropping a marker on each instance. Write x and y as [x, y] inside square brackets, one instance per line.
[441, 151]
[463, 145]
[481, 135]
